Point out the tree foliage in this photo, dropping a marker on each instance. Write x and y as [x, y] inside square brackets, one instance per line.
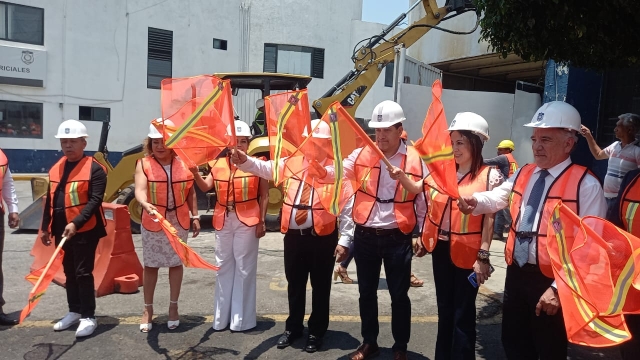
[596, 34]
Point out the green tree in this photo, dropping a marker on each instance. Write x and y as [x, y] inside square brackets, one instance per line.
[592, 34]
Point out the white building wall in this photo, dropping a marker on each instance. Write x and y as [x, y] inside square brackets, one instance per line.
[97, 55]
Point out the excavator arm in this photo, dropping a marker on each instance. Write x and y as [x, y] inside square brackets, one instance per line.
[371, 58]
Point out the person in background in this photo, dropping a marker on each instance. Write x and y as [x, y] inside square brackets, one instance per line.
[238, 218]
[73, 210]
[258, 124]
[163, 184]
[8, 194]
[623, 155]
[506, 163]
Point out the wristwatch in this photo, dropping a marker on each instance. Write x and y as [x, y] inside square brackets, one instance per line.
[483, 255]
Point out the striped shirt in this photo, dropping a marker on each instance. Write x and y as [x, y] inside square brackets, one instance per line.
[621, 160]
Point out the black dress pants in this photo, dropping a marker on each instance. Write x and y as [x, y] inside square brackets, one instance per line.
[79, 257]
[309, 256]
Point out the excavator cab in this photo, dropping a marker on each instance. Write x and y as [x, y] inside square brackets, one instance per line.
[265, 84]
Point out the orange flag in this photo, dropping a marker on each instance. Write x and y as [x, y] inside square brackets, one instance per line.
[201, 108]
[435, 147]
[596, 266]
[189, 257]
[41, 278]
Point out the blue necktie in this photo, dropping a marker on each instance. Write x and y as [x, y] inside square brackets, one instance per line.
[521, 251]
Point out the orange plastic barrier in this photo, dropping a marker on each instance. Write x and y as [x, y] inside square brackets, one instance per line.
[117, 267]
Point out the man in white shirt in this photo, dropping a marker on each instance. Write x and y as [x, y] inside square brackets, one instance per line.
[8, 194]
[532, 322]
[311, 245]
[623, 155]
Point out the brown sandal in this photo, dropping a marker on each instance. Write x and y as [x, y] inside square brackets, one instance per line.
[415, 282]
[342, 273]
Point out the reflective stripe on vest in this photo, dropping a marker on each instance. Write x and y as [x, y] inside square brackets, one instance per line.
[403, 201]
[244, 196]
[76, 191]
[323, 222]
[158, 191]
[4, 165]
[565, 187]
[513, 165]
[629, 204]
[465, 230]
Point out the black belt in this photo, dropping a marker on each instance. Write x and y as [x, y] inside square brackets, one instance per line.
[526, 234]
[381, 201]
[302, 232]
[378, 231]
[302, 207]
[444, 233]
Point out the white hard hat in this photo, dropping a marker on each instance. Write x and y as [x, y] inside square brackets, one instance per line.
[242, 129]
[385, 114]
[259, 103]
[71, 129]
[320, 128]
[153, 132]
[471, 122]
[556, 114]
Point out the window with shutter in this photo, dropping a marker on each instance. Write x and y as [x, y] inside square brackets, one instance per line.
[388, 75]
[160, 55]
[293, 59]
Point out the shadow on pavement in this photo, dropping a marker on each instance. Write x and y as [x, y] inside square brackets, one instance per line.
[488, 328]
[44, 351]
[188, 322]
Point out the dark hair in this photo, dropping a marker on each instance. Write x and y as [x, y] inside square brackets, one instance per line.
[397, 125]
[476, 152]
[147, 147]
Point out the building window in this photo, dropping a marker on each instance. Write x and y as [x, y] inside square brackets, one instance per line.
[220, 44]
[20, 119]
[94, 113]
[292, 59]
[388, 75]
[21, 23]
[160, 54]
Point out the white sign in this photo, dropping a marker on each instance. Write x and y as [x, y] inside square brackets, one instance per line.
[21, 66]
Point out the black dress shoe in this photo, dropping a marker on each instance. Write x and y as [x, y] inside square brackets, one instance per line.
[313, 344]
[287, 339]
[7, 321]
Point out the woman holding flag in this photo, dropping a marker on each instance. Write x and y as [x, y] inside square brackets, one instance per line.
[163, 184]
[238, 219]
[459, 243]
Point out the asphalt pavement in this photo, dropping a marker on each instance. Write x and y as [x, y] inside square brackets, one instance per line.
[118, 336]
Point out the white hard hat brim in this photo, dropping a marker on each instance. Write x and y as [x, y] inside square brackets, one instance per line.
[384, 125]
[542, 125]
[71, 136]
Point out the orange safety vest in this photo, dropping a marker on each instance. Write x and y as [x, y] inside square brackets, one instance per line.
[465, 231]
[403, 201]
[513, 165]
[565, 187]
[76, 191]
[629, 203]
[244, 195]
[158, 191]
[323, 222]
[4, 165]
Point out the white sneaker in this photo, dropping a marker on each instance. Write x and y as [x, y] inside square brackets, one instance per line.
[70, 319]
[86, 327]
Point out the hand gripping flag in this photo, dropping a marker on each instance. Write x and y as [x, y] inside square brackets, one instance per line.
[596, 266]
[41, 278]
[189, 257]
[201, 110]
[435, 147]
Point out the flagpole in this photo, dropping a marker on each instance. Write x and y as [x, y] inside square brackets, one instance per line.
[361, 133]
[55, 254]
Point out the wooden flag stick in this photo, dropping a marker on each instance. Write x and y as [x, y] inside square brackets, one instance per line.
[55, 254]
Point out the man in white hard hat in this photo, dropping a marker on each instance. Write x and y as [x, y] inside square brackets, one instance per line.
[311, 245]
[73, 209]
[8, 194]
[257, 126]
[385, 216]
[532, 322]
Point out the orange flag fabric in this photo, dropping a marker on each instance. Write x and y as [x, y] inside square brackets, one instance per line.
[435, 147]
[201, 108]
[596, 266]
[189, 257]
[41, 278]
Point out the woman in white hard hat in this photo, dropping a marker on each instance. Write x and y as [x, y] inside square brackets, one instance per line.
[163, 184]
[238, 218]
[459, 243]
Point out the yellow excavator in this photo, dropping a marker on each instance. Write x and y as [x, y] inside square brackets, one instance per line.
[369, 61]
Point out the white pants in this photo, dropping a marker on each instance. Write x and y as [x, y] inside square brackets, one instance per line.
[237, 256]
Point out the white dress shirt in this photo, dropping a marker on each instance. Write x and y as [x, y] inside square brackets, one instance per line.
[9, 193]
[382, 215]
[591, 198]
[264, 169]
